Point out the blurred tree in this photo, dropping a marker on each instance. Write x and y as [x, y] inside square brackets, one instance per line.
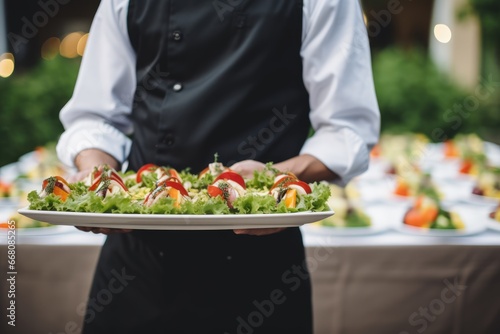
[415, 97]
[488, 12]
[30, 105]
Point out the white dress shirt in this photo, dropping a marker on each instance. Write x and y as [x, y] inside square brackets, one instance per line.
[336, 71]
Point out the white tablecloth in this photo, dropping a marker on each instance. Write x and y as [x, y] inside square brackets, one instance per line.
[384, 283]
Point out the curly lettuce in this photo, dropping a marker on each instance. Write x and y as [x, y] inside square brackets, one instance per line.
[257, 199]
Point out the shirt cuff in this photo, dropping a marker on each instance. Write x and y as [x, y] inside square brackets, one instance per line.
[92, 135]
[342, 150]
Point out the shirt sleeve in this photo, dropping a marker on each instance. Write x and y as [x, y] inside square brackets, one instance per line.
[97, 115]
[338, 76]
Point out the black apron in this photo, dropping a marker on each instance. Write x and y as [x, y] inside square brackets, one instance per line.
[212, 77]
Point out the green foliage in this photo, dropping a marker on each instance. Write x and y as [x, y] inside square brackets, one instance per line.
[489, 15]
[488, 12]
[415, 97]
[30, 105]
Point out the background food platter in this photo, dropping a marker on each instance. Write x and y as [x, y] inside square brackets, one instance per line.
[382, 216]
[473, 217]
[413, 160]
[493, 224]
[40, 231]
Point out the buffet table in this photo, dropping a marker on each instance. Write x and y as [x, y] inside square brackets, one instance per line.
[382, 283]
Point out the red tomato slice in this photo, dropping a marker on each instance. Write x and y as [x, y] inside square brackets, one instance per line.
[214, 191]
[103, 177]
[174, 179]
[146, 167]
[118, 179]
[174, 174]
[96, 183]
[301, 184]
[177, 185]
[96, 173]
[233, 177]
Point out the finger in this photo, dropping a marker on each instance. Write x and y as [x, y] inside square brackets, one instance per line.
[83, 228]
[259, 231]
[79, 176]
[241, 231]
[101, 230]
[247, 167]
[119, 231]
[98, 230]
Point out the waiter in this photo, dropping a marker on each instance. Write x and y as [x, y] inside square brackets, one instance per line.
[173, 82]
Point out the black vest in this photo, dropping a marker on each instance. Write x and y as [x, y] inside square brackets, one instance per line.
[226, 80]
[217, 77]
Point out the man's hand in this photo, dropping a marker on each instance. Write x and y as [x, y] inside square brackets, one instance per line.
[99, 230]
[79, 176]
[259, 231]
[246, 168]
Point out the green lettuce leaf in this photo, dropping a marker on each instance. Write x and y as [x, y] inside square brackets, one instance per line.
[252, 204]
[255, 201]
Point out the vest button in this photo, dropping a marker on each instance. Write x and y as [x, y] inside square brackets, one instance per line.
[177, 35]
[177, 87]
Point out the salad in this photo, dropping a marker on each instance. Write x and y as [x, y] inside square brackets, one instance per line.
[346, 215]
[22, 222]
[427, 213]
[164, 190]
[488, 183]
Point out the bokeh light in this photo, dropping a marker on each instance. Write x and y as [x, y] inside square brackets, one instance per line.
[82, 43]
[442, 33]
[50, 48]
[7, 65]
[69, 45]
